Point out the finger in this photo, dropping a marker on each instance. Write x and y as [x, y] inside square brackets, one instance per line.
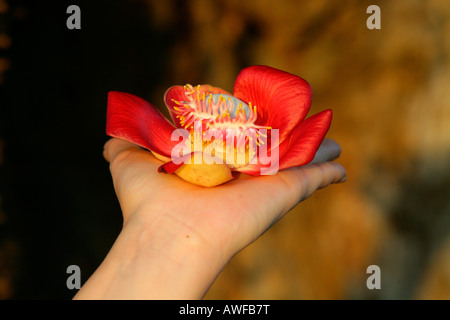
[285, 189]
[328, 150]
[115, 146]
[305, 180]
[324, 174]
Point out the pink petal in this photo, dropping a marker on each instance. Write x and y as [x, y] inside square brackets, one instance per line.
[282, 99]
[178, 93]
[133, 119]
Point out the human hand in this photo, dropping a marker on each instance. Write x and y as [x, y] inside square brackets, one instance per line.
[178, 236]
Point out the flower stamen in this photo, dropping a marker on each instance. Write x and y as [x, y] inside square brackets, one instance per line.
[225, 116]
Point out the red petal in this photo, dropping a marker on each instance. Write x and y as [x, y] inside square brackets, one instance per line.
[282, 99]
[178, 93]
[133, 119]
[300, 147]
[171, 166]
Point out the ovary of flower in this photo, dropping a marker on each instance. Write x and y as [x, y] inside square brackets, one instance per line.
[221, 149]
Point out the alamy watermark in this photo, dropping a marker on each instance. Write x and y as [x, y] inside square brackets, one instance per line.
[374, 280]
[74, 280]
[374, 20]
[74, 20]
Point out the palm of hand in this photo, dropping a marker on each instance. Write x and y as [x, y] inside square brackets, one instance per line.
[227, 217]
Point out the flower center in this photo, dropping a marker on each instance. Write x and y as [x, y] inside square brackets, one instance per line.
[224, 124]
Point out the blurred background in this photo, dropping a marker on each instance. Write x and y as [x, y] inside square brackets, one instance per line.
[388, 88]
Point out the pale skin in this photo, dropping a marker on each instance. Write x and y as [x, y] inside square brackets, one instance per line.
[177, 237]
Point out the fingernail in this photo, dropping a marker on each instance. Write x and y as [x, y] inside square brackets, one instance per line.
[343, 179]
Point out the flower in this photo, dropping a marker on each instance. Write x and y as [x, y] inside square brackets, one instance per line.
[223, 133]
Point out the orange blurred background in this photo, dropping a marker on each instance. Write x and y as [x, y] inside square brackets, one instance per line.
[389, 91]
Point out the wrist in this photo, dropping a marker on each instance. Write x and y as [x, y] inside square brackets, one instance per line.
[155, 260]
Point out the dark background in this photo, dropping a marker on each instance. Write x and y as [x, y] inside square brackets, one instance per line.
[56, 187]
[386, 88]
